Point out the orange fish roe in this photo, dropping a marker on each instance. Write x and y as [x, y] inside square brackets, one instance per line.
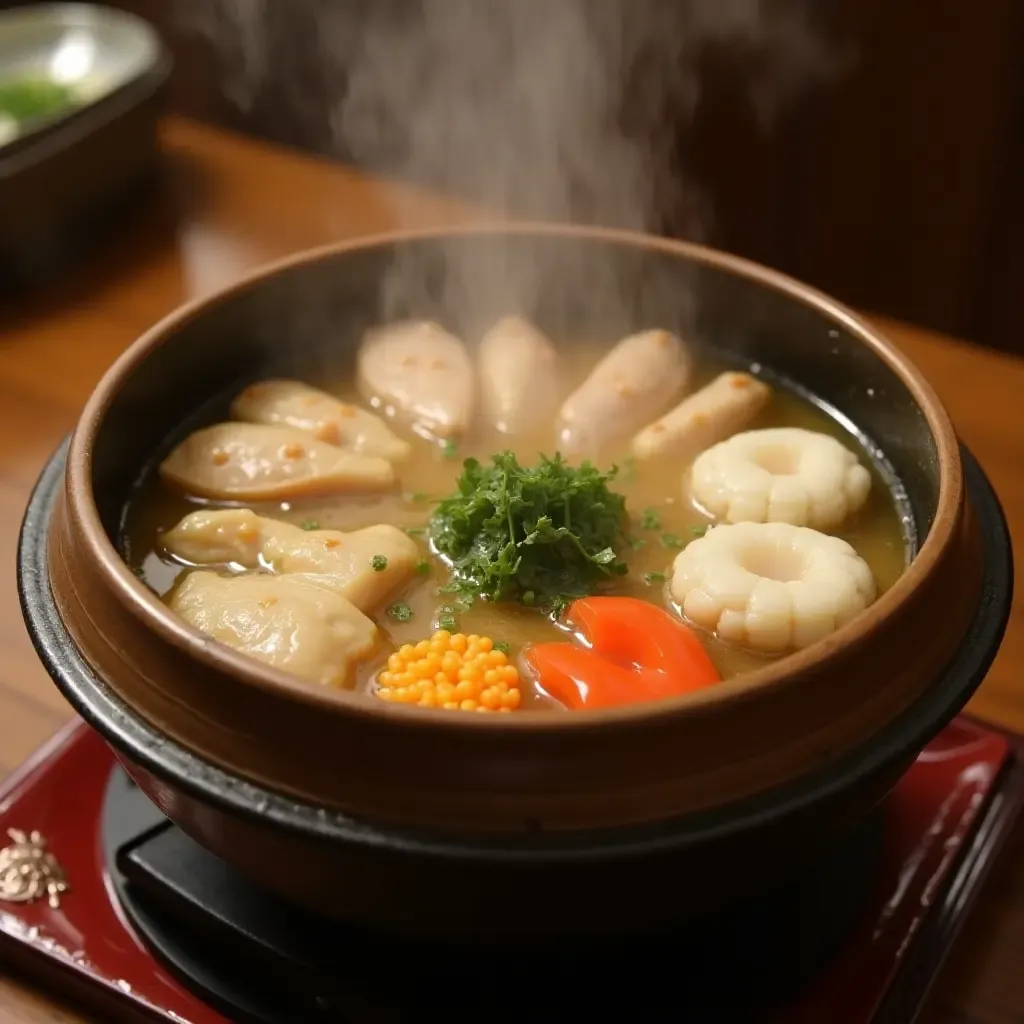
[451, 671]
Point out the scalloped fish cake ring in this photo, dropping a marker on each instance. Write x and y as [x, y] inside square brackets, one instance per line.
[770, 587]
[780, 475]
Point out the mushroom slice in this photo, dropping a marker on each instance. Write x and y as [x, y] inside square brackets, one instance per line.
[293, 623]
[518, 374]
[421, 373]
[366, 566]
[708, 416]
[256, 462]
[290, 403]
[635, 380]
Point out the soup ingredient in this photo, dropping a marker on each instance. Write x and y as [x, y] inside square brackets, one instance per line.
[451, 671]
[365, 566]
[255, 462]
[635, 652]
[293, 623]
[290, 403]
[706, 417]
[781, 475]
[771, 587]
[541, 535]
[636, 380]
[518, 375]
[400, 612]
[26, 99]
[419, 372]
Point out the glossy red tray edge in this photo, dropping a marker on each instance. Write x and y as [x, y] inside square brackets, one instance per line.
[970, 782]
[934, 944]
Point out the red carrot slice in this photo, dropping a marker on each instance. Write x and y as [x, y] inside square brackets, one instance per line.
[637, 652]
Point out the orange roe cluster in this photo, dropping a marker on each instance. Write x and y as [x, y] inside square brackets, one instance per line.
[451, 671]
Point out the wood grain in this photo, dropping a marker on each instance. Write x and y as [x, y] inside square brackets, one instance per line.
[230, 204]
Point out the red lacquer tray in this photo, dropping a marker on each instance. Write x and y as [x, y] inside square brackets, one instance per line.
[944, 824]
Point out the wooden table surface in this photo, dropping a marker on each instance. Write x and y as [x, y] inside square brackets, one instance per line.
[233, 204]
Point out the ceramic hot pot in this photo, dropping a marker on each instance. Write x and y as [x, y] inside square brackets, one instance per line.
[390, 817]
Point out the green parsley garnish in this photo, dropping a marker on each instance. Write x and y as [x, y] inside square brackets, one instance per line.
[650, 578]
[415, 531]
[637, 543]
[502, 646]
[417, 497]
[423, 567]
[450, 449]
[447, 622]
[400, 612]
[379, 563]
[670, 540]
[699, 531]
[651, 520]
[541, 535]
[310, 524]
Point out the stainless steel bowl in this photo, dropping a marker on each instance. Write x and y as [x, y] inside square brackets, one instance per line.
[66, 170]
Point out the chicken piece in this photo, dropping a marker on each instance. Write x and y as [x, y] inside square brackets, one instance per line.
[418, 372]
[290, 403]
[366, 566]
[518, 375]
[636, 380]
[706, 417]
[256, 462]
[229, 536]
[293, 623]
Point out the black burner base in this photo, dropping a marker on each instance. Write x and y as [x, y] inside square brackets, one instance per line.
[261, 961]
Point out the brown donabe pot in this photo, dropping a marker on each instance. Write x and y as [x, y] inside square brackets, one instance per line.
[381, 811]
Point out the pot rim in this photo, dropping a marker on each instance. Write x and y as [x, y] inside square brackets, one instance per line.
[125, 729]
[146, 606]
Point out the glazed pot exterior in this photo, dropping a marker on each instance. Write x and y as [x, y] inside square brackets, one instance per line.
[460, 895]
[595, 882]
[527, 773]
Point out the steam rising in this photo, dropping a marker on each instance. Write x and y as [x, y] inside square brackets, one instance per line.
[567, 110]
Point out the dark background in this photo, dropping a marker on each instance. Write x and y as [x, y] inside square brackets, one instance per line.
[898, 187]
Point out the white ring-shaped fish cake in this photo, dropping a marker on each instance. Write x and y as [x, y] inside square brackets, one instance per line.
[780, 475]
[770, 587]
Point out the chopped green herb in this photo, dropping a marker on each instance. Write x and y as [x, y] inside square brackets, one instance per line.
[650, 578]
[637, 543]
[541, 535]
[27, 98]
[699, 531]
[502, 646]
[417, 497]
[671, 540]
[415, 531]
[651, 520]
[448, 622]
[310, 524]
[450, 449]
[423, 567]
[379, 563]
[400, 612]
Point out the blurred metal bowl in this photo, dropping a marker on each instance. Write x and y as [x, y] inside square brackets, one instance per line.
[66, 169]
